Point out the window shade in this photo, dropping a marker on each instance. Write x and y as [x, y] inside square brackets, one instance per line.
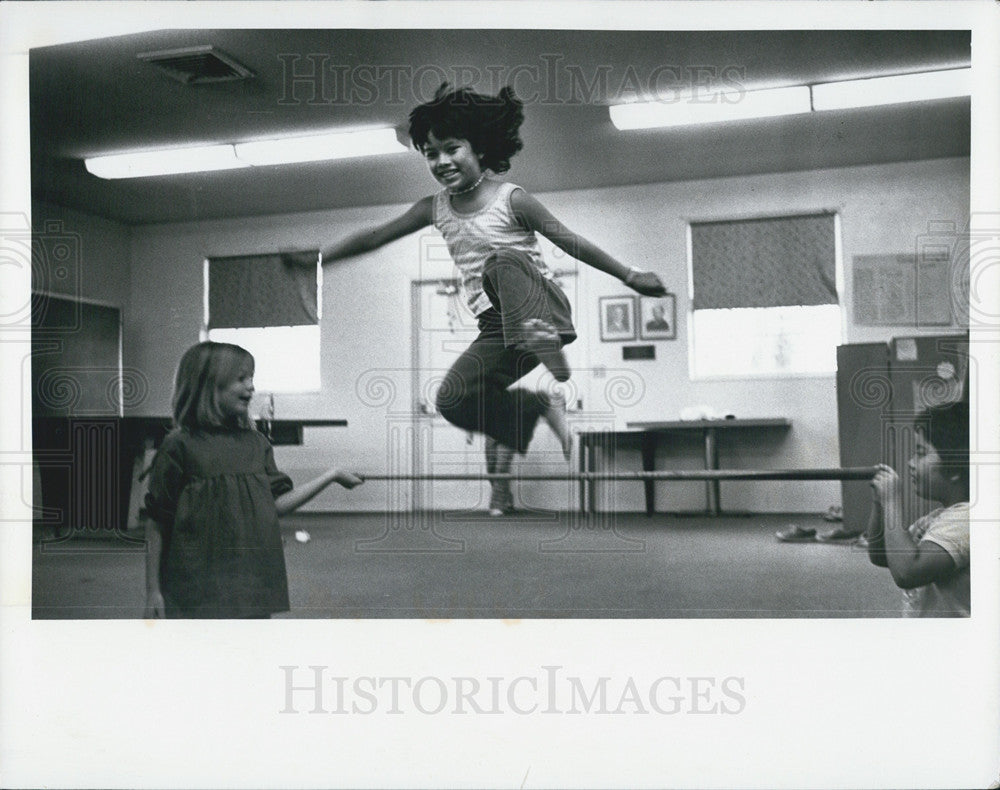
[262, 290]
[771, 262]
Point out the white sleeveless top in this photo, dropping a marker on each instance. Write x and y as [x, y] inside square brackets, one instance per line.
[472, 237]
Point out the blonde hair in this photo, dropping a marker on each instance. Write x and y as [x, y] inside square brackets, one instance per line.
[203, 370]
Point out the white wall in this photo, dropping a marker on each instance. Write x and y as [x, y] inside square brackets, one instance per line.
[98, 265]
[366, 319]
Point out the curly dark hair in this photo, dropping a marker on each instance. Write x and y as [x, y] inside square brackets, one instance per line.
[947, 428]
[489, 123]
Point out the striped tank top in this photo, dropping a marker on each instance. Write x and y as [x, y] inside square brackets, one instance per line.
[472, 237]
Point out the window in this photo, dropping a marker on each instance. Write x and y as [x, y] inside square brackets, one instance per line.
[270, 305]
[764, 296]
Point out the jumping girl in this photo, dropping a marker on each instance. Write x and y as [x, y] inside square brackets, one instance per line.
[490, 229]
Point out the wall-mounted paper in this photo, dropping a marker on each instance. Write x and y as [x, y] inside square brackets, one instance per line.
[899, 290]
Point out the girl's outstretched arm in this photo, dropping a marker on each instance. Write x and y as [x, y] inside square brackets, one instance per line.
[154, 547]
[418, 216]
[536, 217]
[297, 497]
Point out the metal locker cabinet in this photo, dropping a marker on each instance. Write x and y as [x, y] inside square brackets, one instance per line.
[864, 390]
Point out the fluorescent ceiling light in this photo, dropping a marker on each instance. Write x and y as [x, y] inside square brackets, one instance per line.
[289, 150]
[164, 162]
[338, 145]
[874, 91]
[712, 108]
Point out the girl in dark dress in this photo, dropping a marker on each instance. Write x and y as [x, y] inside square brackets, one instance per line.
[213, 549]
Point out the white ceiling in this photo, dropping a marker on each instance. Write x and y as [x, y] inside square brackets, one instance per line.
[97, 97]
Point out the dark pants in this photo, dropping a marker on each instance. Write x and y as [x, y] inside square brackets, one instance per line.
[476, 394]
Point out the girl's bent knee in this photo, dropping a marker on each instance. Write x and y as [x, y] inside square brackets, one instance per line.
[452, 399]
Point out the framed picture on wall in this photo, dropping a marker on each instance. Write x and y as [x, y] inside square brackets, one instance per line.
[658, 317]
[617, 317]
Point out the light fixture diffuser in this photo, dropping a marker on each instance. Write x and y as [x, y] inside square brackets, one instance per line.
[312, 148]
[335, 145]
[164, 162]
[898, 89]
[712, 108]
[845, 94]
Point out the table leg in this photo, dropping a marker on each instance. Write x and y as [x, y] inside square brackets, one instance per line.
[581, 463]
[648, 464]
[589, 466]
[712, 501]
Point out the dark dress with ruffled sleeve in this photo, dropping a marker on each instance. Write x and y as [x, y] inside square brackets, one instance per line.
[213, 492]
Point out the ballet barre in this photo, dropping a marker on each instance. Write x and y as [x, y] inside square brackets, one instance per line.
[849, 473]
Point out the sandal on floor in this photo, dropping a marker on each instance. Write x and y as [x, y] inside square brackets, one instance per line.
[838, 535]
[796, 534]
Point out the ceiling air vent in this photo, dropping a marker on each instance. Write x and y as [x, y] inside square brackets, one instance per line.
[197, 65]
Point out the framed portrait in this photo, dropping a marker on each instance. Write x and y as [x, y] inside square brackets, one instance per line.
[658, 317]
[617, 318]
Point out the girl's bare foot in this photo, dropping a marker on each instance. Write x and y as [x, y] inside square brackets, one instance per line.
[498, 460]
[542, 339]
[501, 498]
[555, 416]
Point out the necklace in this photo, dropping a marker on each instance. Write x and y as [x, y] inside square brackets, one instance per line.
[469, 188]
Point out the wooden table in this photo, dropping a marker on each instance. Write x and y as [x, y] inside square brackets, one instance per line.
[646, 436]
